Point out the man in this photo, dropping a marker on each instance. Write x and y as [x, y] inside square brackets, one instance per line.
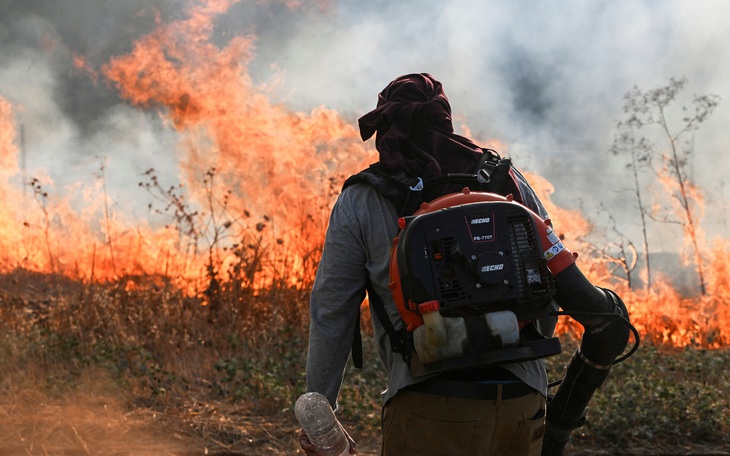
[490, 410]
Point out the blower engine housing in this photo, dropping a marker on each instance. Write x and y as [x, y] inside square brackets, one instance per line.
[471, 254]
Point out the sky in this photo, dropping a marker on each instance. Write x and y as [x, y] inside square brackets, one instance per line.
[543, 79]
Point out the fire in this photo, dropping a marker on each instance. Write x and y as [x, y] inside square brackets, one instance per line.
[255, 176]
[82, 64]
[8, 151]
[11, 233]
[274, 162]
[662, 314]
[256, 185]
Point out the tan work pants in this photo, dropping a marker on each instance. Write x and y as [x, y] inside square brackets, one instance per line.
[420, 424]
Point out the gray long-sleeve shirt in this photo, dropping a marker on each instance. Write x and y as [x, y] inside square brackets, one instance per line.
[357, 247]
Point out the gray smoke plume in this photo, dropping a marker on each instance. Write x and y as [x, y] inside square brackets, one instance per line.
[546, 79]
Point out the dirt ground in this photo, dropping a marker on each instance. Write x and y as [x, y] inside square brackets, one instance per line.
[85, 425]
[101, 424]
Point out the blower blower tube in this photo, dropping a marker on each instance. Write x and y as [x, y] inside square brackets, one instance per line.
[604, 339]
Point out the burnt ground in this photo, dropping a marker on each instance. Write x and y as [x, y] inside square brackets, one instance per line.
[97, 424]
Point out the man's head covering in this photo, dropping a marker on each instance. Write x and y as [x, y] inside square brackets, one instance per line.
[414, 130]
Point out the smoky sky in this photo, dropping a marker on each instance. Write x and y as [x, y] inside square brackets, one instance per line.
[94, 30]
[100, 30]
[545, 79]
[529, 84]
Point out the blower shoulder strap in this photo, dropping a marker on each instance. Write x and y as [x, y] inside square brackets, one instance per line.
[490, 174]
[399, 340]
[395, 188]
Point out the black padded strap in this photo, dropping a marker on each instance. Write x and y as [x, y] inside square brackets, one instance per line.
[400, 342]
[357, 345]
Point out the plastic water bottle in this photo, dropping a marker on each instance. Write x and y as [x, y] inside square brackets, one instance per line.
[316, 417]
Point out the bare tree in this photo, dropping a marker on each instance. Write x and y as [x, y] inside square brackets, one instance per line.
[615, 252]
[651, 108]
[639, 154]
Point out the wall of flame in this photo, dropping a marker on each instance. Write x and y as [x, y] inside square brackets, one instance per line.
[256, 181]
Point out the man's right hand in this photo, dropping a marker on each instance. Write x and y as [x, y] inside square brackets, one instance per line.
[306, 445]
[310, 450]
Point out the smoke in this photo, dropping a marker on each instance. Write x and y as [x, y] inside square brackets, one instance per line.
[56, 31]
[544, 79]
[92, 420]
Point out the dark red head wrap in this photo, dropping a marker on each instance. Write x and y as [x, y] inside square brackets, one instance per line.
[414, 130]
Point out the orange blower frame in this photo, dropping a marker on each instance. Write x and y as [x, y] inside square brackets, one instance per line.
[557, 255]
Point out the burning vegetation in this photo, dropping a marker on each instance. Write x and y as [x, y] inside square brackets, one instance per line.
[204, 295]
[256, 182]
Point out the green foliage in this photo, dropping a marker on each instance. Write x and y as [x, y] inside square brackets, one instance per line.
[265, 372]
[663, 396]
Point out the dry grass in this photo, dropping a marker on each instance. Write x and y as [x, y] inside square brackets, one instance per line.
[114, 369]
[141, 368]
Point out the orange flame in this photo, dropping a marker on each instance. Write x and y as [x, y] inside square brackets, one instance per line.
[257, 182]
[693, 196]
[12, 230]
[250, 169]
[662, 314]
[82, 64]
[8, 151]
[275, 163]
